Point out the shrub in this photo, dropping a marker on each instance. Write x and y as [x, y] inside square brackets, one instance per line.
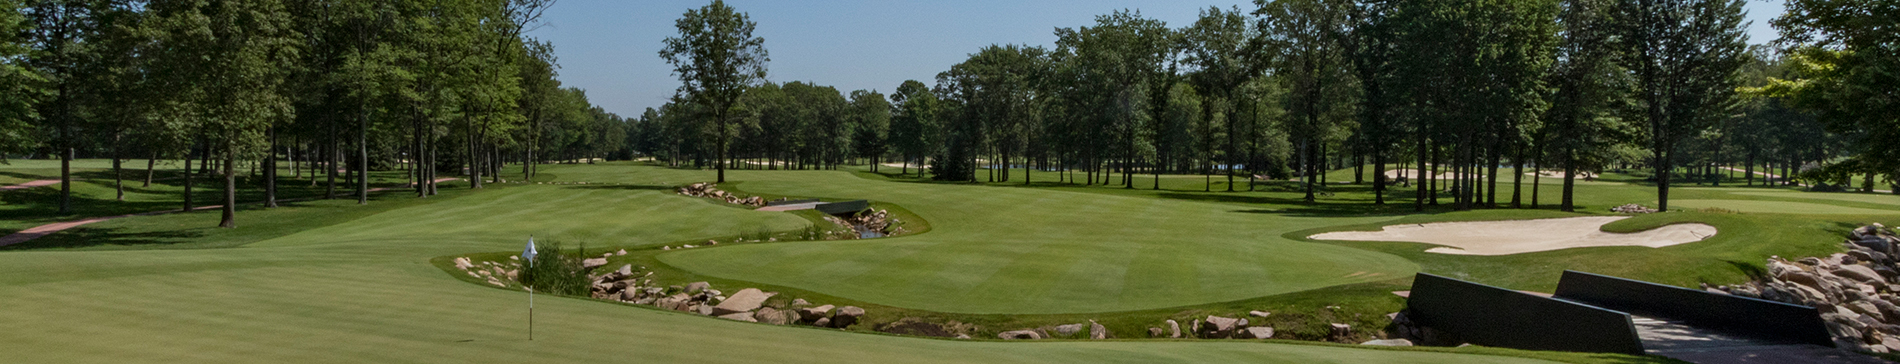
[557, 271]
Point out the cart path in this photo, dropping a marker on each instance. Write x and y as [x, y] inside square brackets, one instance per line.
[43, 230]
[29, 184]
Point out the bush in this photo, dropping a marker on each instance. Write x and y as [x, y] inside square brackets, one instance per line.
[557, 271]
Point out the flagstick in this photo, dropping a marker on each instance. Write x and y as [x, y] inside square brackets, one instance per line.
[530, 311]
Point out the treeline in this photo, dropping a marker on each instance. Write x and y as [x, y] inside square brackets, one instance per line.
[334, 88]
[1467, 90]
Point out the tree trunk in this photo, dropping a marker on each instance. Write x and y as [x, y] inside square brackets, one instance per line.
[230, 186]
[362, 160]
[270, 169]
[150, 164]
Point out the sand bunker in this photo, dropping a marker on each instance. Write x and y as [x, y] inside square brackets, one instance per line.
[1525, 236]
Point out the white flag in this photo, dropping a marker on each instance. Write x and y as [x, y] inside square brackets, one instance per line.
[529, 253]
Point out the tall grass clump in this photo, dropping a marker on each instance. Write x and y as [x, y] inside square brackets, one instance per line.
[556, 270]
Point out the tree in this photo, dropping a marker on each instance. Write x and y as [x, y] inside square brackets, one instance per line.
[20, 85]
[1588, 85]
[230, 57]
[1686, 56]
[716, 58]
[58, 35]
[870, 118]
[915, 130]
[1224, 52]
[1844, 62]
[1311, 38]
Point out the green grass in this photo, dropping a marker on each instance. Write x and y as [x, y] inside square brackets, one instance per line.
[1033, 251]
[331, 281]
[363, 290]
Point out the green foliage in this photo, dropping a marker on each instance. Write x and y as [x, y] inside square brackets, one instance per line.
[555, 270]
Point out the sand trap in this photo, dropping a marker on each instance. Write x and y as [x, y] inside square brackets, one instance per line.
[1525, 236]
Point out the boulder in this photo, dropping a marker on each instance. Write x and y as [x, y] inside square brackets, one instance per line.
[625, 270]
[739, 316]
[812, 314]
[463, 263]
[629, 295]
[1019, 335]
[1261, 314]
[846, 316]
[771, 316]
[1174, 329]
[1388, 342]
[591, 263]
[745, 300]
[1341, 330]
[1218, 327]
[704, 310]
[822, 322]
[1097, 331]
[1859, 273]
[1070, 329]
[696, 287]
[800, 302]
[1154, 332]
[1257, 332]
[620, 252]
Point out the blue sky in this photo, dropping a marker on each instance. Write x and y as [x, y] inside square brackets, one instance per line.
[611, 47]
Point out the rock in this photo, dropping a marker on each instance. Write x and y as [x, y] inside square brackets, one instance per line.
[1155, 332]
[1019, 335]
[625, 270]
[629, 295]
[1097, 331]
[1260, 332]
[675, 302]
[810, 314]
[963, 336]
[620, 252]
[696, 287]
[591, 263]
[1215, 327]
[745, 300]
[1860, 273]
[463, 263]
[800, 302]
[1388, 342]
[822, 322]
[1341, 330]
[1070, 329]
[771, 316]
[1261, 314]
[846, 316]
[739, 316]
[705, 310]
[1174, 329]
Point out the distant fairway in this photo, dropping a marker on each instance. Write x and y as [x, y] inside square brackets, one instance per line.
[1884, 199]
[1778, 207]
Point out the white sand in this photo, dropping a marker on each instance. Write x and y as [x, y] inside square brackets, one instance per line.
[1525, 236]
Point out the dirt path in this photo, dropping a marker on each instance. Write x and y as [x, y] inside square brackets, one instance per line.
[43, 230]
[29, 184]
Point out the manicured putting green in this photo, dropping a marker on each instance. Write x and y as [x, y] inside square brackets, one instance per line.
[1777, 207]
[1022, 250]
